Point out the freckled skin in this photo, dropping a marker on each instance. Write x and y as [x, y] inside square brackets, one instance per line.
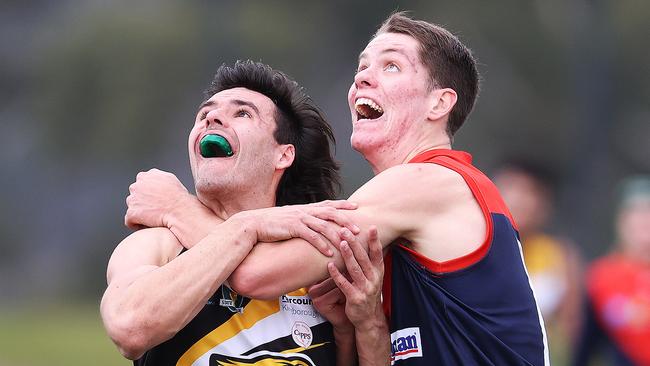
[403, 95]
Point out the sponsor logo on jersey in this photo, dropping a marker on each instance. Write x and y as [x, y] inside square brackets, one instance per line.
[405, 343]
[297, 300]
[301, 333]
[299, 306]
[263, 358]
[229, 299]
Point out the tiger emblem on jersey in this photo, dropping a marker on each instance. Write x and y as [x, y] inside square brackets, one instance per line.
[262, 359]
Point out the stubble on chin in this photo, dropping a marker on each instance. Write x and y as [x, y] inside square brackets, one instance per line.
[206, 188]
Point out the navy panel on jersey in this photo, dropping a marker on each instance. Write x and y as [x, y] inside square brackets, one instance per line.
[481, 315]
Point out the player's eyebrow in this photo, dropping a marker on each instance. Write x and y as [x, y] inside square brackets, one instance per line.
[399, 50]
[207, 103]
[240, 102]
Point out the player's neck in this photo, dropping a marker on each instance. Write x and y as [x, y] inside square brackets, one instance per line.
[225, 206]
[382, 159]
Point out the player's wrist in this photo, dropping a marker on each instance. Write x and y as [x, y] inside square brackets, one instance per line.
[184, 207]
[343, 330]
[368, 324]
[246, 224]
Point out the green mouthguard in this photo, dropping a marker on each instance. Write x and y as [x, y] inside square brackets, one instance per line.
[215, 146]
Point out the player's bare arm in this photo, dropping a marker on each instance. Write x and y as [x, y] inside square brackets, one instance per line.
[138, 319]
[149, 259]
[158, 199]
[393, 201]
[426, 204]
[330, 302]
[362, 294]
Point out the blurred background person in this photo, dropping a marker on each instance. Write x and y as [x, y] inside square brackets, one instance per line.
[617, 316]
[553, 263]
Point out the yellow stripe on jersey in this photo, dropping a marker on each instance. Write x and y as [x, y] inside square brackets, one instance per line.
[255, 311]
[298, 292]
[302, 349]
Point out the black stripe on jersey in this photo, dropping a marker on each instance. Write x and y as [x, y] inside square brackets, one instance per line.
[323, 355]
[168, 352]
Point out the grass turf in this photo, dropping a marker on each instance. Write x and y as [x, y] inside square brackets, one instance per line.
[56, 336]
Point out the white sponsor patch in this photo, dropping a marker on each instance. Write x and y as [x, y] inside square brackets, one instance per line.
[301, 333]
[405, 343]
[299, 307]
[226, 302]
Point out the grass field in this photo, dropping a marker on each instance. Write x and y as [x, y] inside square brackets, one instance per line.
[56, 336]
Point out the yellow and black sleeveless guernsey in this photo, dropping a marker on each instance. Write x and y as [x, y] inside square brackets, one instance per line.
[234, 330]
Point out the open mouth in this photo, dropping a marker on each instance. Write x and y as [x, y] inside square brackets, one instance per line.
[215, 146]
[368, 109]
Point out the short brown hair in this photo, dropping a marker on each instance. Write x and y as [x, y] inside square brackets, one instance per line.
[449, 62]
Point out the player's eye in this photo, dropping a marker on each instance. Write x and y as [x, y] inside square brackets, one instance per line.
[391, 67]
[243, 113]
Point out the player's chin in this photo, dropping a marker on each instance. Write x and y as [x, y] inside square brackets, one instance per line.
[362, 141]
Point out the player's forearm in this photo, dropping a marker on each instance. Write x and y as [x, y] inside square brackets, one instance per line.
[150, 309]
[192, 222]
[346, 354]
[274, 269]
[373, 341]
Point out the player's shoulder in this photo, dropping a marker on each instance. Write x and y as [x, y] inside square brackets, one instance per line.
[159, 242]
[149, 235]
[411, 193]
[406, 179]
[413, 173]
[143, 248]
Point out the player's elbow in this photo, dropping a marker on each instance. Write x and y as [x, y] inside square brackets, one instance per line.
[127, 332]
[128, 337]
[248, 281]
[131, 349]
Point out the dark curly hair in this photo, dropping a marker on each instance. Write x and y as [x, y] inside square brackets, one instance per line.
[314, 175]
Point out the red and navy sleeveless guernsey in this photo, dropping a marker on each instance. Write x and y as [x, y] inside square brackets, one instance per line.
[478, 309]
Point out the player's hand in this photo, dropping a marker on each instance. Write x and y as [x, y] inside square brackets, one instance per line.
[153, 196]
[366, 271]
[329, 301]
[321, 224]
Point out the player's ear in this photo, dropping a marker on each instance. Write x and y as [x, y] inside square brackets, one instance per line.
[286, 155]
[443, 100]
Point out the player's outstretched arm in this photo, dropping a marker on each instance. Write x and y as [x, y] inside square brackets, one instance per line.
[420, 203]
[393, 201]
[390, 201]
